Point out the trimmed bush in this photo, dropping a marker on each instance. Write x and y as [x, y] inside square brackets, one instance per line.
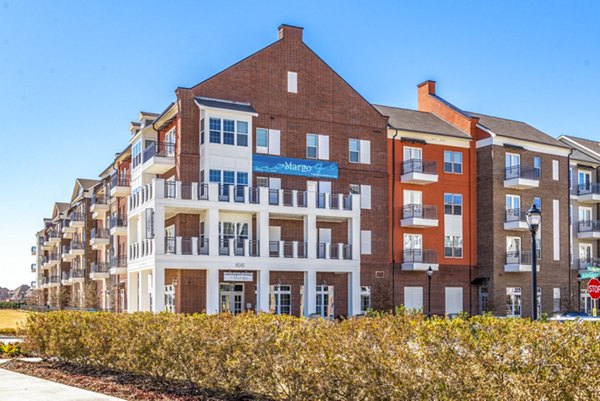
[10, 305]
[385, 357]
[10, 350]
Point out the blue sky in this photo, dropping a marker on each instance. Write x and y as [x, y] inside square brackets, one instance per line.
[74, 73]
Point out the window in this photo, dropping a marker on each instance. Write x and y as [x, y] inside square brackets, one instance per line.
[262, 182]
[292, 83]
[228, 177]
[453, 246]
[453, 300]
[537, 202]
[413, 298]
[365, 197]
[513, 165]
[229, 132]
[215, 130]
[242, 178]
[202, 131]
[556, 299]
[170, 298]
[171, 137]
[262, 138]
[513, 301]
[136, 154]
[268, 141]
[281, 299]
[537, 166]
[365, 299]
[354, 150]
[555, 174]
[325, 300]
[354, 189]
[453, 204]
[484, 299]
[584, 181]
[242, 133]
[365, 242]
[452, 162]
[312, 146]
[214, 176]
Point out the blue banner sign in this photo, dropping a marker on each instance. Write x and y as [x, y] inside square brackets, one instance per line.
[289, 166]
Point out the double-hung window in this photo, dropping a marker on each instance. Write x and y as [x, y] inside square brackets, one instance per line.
[453, 246]
[202, 131]
[262, 138]
[453, 204]
[354, 145]
[312, 146]
[228, 132]
[215, 130]
[452, 162]
[242, 133]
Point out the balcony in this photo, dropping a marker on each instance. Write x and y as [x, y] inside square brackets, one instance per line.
[53, 281]
[585, 263]
[51, 239]
[419, 216]
[419, 260]
[76, 220]
[99, 238]
[521, 178]
[518, 262]
[66, 278]
[76, 248]
[118, 265]
[99, 206]
[99, 271]
[77, 273]
[420, 172]
[119, 186]
[118, 225]
[514, 219]
[158, 158]
[588, 229]
[588, 193]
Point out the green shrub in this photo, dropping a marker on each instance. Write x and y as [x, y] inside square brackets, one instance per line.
[8, 331]
[385, 357]
[10, 305]
[10, 350]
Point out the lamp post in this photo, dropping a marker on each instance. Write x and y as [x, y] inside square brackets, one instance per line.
[579, 292]
[534, 217]
[429, 274]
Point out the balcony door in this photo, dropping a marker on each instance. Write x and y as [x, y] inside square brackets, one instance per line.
[585, 255]
[513, 207]
[584, 180]
[415, 157]
[513, 163]
[413, 247]
[585, 214]
[413, 202]
[513, 250]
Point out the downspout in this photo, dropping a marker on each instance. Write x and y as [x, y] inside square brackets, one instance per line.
[394, 221]
[571, 300]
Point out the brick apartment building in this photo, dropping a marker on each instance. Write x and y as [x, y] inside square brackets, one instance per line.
[274, 186]
[584, 189]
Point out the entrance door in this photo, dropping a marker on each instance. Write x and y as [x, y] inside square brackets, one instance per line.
[325, 298]
[324, 237]
[231, 297]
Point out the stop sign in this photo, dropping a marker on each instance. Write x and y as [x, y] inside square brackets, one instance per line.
[594, 288]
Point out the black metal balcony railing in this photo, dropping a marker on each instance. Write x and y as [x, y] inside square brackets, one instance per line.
[66, 275]
[76, 245]
[54, 279]
[419, 256]
[76, 217]
[274, 249]
[347, 202]
[273, 197]
[253, 248]
[223, 246]
[203, 246]
[514, 215]
[238, 247]
[170, 245]
[347, 251]
[54, 256]
[100, 233]
[521, 257]
[99, 200]
[321, 250]
[588, 226]
[77, 273]
[302, 250]
[517, 171]
[52, 235]
[117, 180]
[165, 149]
[419, 211]
[419, 166]
[118, 261]
[118, 221]
[585, 262]
[588, 188]
[100, 267]
[203, 191]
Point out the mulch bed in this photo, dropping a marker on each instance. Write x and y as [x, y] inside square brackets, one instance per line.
[116, 384]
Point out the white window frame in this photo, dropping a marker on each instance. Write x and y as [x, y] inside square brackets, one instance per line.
[351, 152]
[365, 299]
[277, 293]
[514, 304]
[292, 82]
[316, 147]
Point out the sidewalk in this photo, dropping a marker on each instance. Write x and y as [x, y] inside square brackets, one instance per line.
[20, 387]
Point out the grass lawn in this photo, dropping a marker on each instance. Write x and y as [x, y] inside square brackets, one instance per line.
[10, 317]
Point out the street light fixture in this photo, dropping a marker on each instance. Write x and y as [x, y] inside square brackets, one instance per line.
[429, 274]
[534, 217]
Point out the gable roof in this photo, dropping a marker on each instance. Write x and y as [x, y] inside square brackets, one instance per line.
[587, 146]
[419, 121]
[583, 157]
[82, 184]
[60, 207]
[517, 130]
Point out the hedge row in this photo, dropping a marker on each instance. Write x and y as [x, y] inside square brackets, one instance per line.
[10, 305]
[380, 358]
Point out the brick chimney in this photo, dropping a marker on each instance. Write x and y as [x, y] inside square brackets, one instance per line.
[290, 32]
[425, 89]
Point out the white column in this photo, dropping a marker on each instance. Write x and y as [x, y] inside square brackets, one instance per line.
[310, 235]
[310, 295]
[158, 288]
[194, 245]
[262, 230]
[159, 230]
[211, 225]
[144, 299]
[132, 292]
[354, 236]
[177, 189]
[263, 291]
[194, 191]
[212, 291]
[353, 293]
[178, 243]
[263, 195]
[159, 188]
[294, 249]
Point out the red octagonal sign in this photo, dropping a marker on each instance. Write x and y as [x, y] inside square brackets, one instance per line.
[594, 288]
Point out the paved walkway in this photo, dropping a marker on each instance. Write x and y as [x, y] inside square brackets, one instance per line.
[20, 387]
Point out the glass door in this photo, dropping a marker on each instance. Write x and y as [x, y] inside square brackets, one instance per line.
[513, 165]
[413, 159]
[325, 301]
[231, 298]
[513, 207]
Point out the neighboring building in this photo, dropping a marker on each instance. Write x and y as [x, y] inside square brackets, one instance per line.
[261, 188]
[52, 263]
[432, 173]
[584, 186]
[19, 293]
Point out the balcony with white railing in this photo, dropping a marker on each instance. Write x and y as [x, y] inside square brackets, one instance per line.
[418, 171]
[158, 158]
[99, 238]
[520, 261]
[518, 177]
[588, 229]
[417, 259]
[419, 216]
[177, 194]
[588, 193]
[99, 271]
[514, 219]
